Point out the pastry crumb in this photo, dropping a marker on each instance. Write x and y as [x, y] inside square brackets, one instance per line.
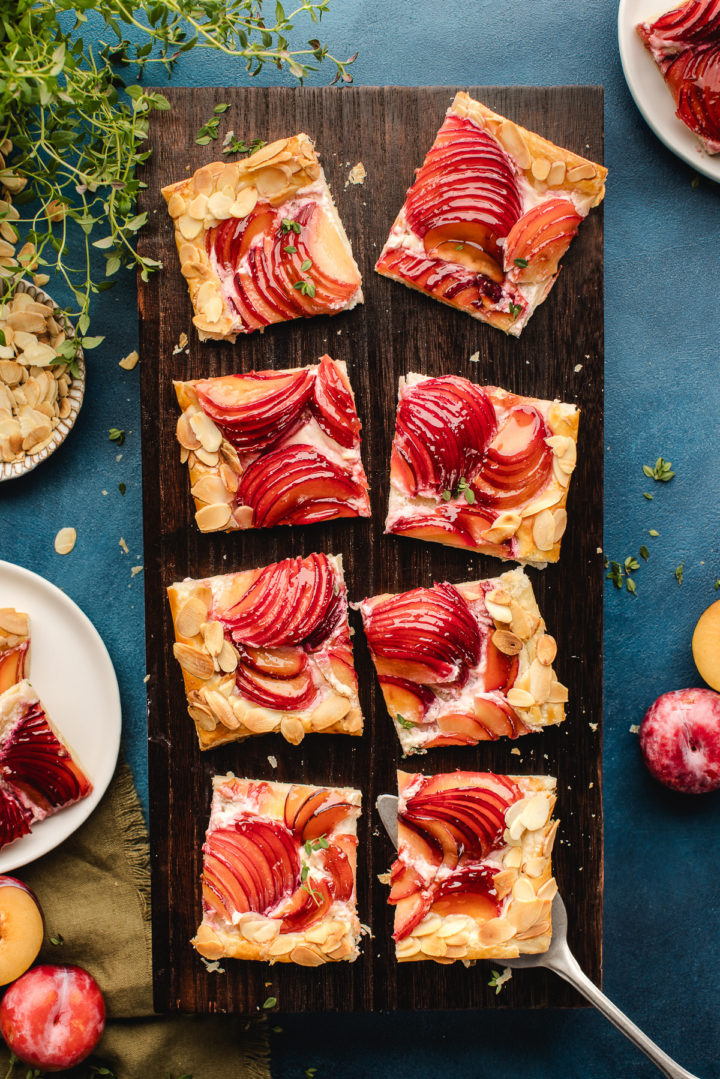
[593, 726]
[182, 343]
[214, 967]
[130, 361]
[135, 570]
[272, 761]
[146, 679]
[357, 174]
[475, 358]
[515, 752]
[634, 729]
[578, 367]
[123, 544]
[65, 540]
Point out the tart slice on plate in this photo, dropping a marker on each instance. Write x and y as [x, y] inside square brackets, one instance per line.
[267, 650]
[473, 875]
[14, 647]
[464, 663]
[278, 880]
[273, 447]
[685, 44]
[39, 775]
[260, 241]
[492, 211]
[480, 468]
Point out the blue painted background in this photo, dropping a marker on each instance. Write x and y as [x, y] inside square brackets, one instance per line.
[662, 242]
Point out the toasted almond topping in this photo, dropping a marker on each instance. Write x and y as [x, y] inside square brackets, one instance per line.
[221, 707]
[282, 945]
[513, 858]
[210, 436]
[558, 693]
[213, 635]
[549, 841]
[523, 891]
[496, 931]
[548, 891]
[556, 174]
[14, 622]
[541, 678]
[434, 946]
[306, 956]
[560, 519]
[534, 865]
[202, 717]
[540, 168]
[536, 930]
[536, 812]
[213, 518]
[540, 504]
[193, 661]
[504, 881]
[330, 711]
[506, 642]
[191, 617]
[185, 434]
[546, 649]
[503, 527]
[513, 141]
[522, 623]
[65, 540]
[586, 171]
[292, 730]
[430, 924]
[520, 698]
[176, 205]
[208, 943]
[544, 530]
[523, 915]
[190, 227]
[257, 720]
[211, 489]
[227, 658]
[562, 477]
[406, 948]
[206, 458]
[498, 612]
[245, 202]
[197, 208]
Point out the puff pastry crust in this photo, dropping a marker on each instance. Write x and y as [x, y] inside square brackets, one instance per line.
[473, 877]
[14, 647]
[267, 650]
[272, 447]
[246, 229]
[464, 663]
[301, 843]
[473, 232]
[519, 454]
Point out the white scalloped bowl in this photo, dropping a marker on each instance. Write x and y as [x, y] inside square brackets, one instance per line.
[10, 470]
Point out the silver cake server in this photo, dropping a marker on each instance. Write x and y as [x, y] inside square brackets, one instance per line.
[559, 958]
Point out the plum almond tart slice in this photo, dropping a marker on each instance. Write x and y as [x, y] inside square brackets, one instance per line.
[260, 241]
[39, 774]
[272, 448]
[480, 468]
[14, 647]
[492, 211]
[267, 650]
[685, 44]
[464, 663]
[279, 868]
[473, 874]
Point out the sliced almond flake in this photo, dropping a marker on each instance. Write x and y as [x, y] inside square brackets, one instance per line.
[357, 174]
[65, 540]
[135, 570]
[130, 361]
[123, 544]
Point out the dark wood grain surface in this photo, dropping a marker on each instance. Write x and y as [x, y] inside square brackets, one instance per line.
[396, 331]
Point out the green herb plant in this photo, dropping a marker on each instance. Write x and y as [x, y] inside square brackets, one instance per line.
[74, 122]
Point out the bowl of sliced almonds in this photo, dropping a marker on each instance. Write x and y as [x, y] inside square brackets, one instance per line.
[39, 397]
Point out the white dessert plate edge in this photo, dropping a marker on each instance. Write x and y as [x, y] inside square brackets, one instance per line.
[649, 91]
[72, 672]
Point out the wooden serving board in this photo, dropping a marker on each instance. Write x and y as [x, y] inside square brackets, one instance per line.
[396, 331]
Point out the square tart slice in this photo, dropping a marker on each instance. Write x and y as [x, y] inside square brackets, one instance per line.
[273, 448]
[464, 663]
[490, 214]
[685, 44]
[481, 468]
[14, 647]
[39, 773]
[260, 241]
[473, 876]
[278, 880]
[267, 650]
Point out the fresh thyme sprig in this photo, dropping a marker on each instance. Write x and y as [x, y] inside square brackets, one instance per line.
[72, 132]
[406, 723]
[662, 472]
[463, 488]
[312, 845]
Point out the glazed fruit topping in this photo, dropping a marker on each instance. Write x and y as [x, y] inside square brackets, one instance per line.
[447, 829]
[255, 411]
[260, 865]
[272, 273]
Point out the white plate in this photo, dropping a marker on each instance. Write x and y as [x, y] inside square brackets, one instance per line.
[648, 88]
[74, 677]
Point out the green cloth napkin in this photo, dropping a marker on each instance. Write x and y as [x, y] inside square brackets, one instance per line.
[95, 893]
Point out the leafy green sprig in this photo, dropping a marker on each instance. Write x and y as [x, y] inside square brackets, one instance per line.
[312, 845]
[72, 132]
[463, 488]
